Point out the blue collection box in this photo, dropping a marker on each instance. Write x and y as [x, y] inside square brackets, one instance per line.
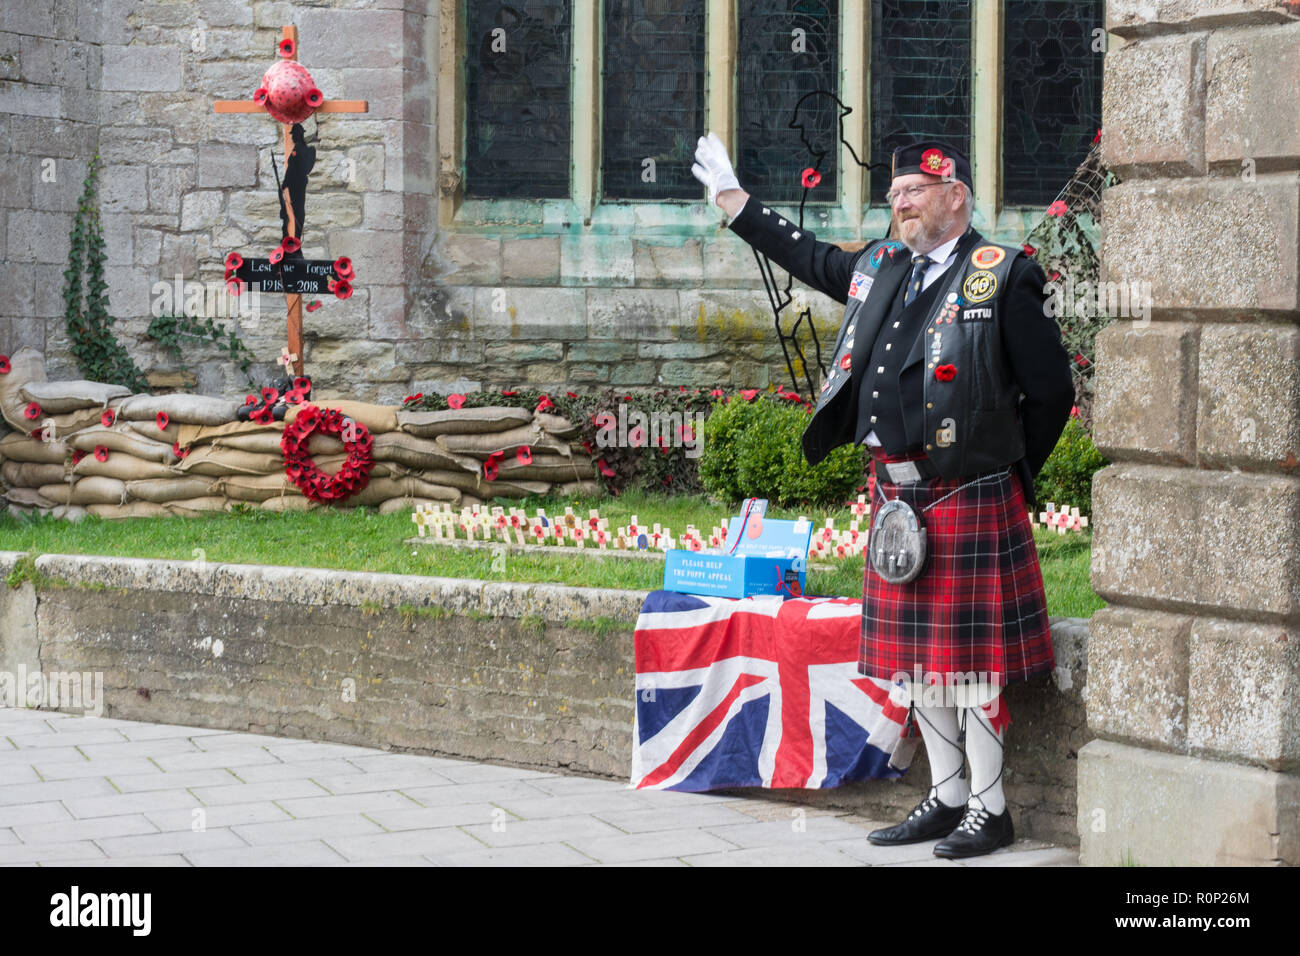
[763, 565]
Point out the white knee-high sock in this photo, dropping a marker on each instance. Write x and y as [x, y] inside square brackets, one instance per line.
[984, 748]
[939, 731]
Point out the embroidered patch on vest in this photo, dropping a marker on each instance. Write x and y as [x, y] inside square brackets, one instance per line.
[986, 257]
[979, 286]
[981, 314]
[860, 286]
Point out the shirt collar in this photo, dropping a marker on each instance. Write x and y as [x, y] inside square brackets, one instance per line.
[941, 254]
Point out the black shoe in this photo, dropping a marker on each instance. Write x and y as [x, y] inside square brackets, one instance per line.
[980, 832]
[930, 820]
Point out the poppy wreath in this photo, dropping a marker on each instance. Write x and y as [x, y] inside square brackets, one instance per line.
[302, 471]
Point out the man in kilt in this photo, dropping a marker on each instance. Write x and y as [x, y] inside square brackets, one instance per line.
[951, 371]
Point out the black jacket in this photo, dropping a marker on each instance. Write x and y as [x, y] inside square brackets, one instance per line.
[1012, 392]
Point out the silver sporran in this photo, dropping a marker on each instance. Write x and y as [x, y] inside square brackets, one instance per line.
[897, 542]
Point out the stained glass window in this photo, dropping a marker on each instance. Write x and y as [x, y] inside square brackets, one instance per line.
[920, 78]
[653, 82]
[1051, 95]
[517, 113]
[787, 51]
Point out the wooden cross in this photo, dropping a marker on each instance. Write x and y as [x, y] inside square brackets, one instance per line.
[293, 301]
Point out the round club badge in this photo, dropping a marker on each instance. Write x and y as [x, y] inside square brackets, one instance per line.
[986, 257]
[979, 286]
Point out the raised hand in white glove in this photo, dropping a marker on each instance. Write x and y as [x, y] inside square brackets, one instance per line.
[713, 166]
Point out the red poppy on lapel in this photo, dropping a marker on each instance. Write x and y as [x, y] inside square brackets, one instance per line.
[945, 373]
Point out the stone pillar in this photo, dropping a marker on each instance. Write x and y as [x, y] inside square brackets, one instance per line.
[1194, 666]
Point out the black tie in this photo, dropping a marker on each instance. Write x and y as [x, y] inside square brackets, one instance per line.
[919, 265]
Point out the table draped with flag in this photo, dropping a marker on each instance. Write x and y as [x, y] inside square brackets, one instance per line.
[759, 692]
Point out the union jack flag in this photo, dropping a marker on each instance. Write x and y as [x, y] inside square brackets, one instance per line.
[760, 692]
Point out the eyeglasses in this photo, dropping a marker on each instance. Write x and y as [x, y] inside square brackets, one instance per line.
[911, 192]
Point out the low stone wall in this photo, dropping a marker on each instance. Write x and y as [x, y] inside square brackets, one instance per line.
[527, 674]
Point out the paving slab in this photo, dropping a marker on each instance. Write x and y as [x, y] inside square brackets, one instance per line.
[81, 791]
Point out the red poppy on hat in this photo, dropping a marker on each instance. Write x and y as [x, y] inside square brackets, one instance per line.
[162, 419]
[945, 373]
[934, 161]
[525, 455]
[107, 418]
[290, 244]
[101, 453]
[260, 95]
[4, 365]
[32, 411]
[1058, 208]
[810, 178]
[455, 401]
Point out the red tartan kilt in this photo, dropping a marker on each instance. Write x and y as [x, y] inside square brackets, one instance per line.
[978, 605]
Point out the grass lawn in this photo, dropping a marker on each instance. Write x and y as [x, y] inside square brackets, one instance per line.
[364, 540]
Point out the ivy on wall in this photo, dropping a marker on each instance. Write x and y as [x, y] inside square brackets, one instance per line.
[172, 331]
[100, 357]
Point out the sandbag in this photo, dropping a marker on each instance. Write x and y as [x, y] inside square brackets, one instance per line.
[268, 443]
[255, 488]
[547, 468]
[119, 439]
[57, 492]
[216, 462]
[480, 486]
[191, 435]
[555, 425]
[30, 474]
[463, 421]
[481, 446]
[195, 507]
[162, 490]
[380, 490]
[183, 408]
[377, 418]
[30, 498]
[73, 513]
[69, 396]
[17, 446]
[123, 467]
[419, 453]
[150, 430]
[69, 422]
[404, 504]
[135, 509]
[290, 504]
[95, 490]
[26, 366]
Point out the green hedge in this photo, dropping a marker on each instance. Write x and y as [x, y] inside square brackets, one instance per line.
[1066, 478]
[753, 449]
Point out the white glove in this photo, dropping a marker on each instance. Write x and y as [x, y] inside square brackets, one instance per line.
[713, 166]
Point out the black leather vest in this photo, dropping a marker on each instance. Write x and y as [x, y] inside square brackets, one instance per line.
[970, 422]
